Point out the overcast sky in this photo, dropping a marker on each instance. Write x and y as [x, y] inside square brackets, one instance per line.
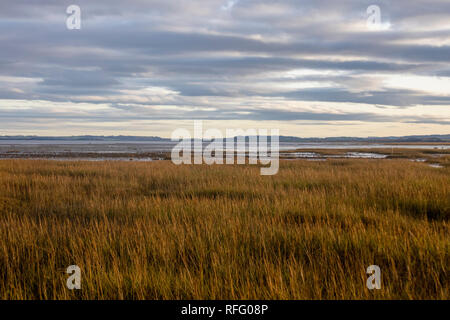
[306, 67]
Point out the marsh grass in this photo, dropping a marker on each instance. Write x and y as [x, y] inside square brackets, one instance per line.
[160, 231]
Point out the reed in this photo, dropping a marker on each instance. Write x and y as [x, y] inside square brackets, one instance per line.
[160, 231]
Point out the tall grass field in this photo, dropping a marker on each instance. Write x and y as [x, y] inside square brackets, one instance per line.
[160, 231]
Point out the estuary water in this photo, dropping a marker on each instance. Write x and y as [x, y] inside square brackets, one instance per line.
[152, 150]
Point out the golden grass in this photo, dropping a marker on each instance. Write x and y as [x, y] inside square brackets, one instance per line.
[160, 231]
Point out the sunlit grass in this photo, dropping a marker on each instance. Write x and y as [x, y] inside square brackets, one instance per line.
[160, 231]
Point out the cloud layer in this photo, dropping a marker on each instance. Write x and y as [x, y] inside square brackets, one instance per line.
[310, 67]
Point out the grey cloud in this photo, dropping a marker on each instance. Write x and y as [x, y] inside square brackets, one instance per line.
[203, 52]
[236, 114]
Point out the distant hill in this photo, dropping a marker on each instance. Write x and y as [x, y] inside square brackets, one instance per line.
[417, 138]
[84, 138]
[404, 139]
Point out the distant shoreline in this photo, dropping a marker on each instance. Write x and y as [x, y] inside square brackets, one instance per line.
[415, 139]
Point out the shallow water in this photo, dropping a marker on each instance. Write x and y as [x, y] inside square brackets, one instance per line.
[301, 155]
[365, 155]
[125, 150]
[294, 146]
[418, 160]
[348, 155]
[435, 165]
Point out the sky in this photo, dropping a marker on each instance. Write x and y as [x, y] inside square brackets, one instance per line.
[310, 68]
